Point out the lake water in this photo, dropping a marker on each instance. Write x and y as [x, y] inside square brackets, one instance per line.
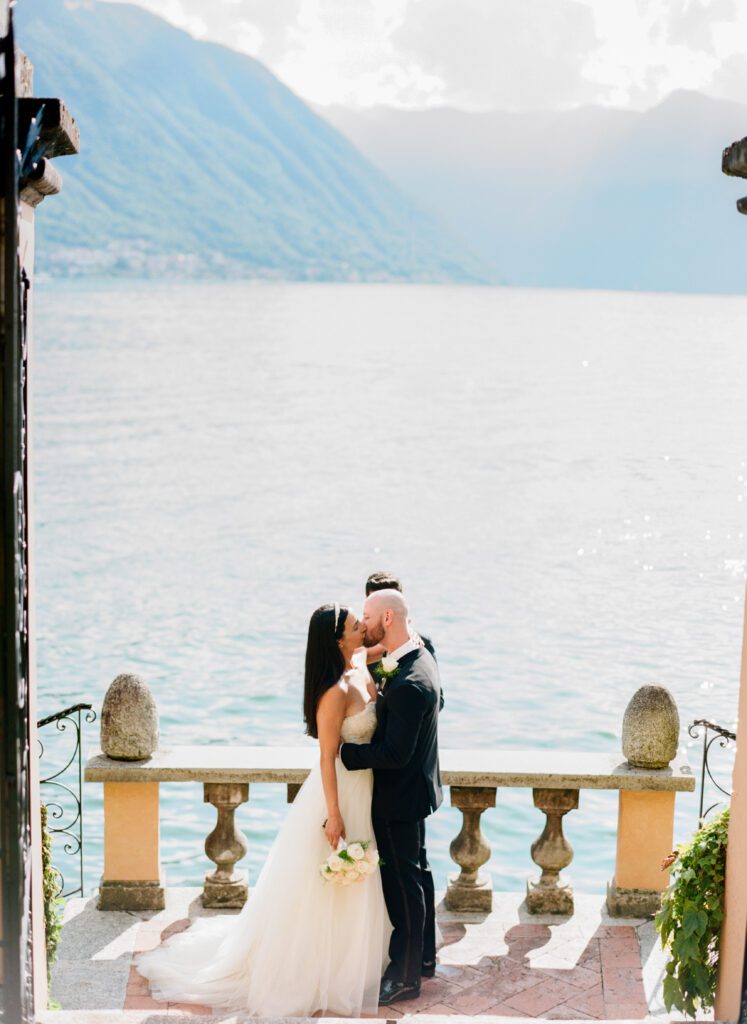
[559, 477]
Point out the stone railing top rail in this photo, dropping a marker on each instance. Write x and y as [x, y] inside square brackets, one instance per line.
[538, 769]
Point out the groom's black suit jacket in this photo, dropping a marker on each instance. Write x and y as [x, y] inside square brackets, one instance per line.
[403, 751]
[428, 644]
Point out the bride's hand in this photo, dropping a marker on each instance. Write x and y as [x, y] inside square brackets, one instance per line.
[334, 827]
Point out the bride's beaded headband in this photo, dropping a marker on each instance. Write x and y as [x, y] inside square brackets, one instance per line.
[337, 618]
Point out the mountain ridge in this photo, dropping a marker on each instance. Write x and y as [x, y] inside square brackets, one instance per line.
[591, 197]
[196, 158]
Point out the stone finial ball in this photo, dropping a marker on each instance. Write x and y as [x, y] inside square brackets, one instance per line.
[651, 728]
[129, 720]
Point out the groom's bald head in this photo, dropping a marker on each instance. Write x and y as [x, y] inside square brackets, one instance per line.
[387, 600]
[385, 612]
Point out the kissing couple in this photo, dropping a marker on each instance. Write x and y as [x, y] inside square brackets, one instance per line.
[302, 945]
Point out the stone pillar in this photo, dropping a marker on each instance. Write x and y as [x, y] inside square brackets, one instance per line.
[552, 852]
[129, 732]
[293, 788]
[645, 834]
[225, 887]
[132, 872]
[645, 824]
[471, 889]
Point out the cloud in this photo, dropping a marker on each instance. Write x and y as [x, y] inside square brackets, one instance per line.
[341, 52]
[692, 23]
[482, 54]
[654, 47]
[512, 55]
[259, 27]
[730, 79]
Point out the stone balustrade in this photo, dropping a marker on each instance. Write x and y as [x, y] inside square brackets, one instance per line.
[132, 876]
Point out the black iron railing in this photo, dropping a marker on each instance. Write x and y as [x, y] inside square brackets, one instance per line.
[65, 805]
[712, 733]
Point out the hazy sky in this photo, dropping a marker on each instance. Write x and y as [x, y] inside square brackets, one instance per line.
[483, 54]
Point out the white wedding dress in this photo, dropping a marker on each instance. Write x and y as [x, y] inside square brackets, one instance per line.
[300, 944]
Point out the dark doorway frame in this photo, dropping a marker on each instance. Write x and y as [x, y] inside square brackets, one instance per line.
[15, 828]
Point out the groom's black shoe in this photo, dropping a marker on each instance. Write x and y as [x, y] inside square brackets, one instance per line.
[428, 969]
[392, 991]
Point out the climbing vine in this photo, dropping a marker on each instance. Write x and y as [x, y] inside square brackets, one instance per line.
[689, 922]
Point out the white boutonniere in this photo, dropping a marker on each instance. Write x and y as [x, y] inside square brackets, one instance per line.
[386, 669]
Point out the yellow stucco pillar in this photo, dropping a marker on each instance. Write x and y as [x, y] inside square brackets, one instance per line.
[734, 928]
[132, 865]
[645, 833]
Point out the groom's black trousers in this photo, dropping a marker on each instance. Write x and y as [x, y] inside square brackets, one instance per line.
[408, 891]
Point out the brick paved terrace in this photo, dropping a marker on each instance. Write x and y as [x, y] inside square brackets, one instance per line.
[505, 964]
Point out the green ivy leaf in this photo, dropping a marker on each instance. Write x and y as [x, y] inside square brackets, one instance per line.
[690, 918]
[690, 921]
[672, 994]
[701, 977]
[684, 947]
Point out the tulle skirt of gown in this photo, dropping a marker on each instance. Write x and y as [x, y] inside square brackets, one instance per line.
[299, 944]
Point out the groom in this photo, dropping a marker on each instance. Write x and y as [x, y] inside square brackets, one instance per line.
[407, 788]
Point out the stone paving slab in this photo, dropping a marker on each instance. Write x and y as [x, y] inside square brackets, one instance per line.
[492, 967]
[84, 985]
[146, 1017]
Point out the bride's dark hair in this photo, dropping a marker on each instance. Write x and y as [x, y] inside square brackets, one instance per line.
[324, 660]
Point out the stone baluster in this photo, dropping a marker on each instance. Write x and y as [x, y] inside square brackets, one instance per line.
[552, 852]
[225, 887]
[471, 889]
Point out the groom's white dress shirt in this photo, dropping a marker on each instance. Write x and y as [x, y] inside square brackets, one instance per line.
[407, 646]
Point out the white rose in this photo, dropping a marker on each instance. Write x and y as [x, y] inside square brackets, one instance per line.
[372, 855]
[348, 878]
[336, 863]
[389, 664]
[366, 868]
[356, 851]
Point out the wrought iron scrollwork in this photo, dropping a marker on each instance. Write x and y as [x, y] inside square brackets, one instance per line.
[725, 739]
[65, 803]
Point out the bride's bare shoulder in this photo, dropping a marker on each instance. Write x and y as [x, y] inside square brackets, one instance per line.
[335, 697]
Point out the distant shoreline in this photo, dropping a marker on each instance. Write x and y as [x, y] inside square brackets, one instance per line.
[99, 280]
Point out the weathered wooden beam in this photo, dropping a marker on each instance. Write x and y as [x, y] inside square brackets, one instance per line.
[734, 159]
[44, 181]
[59, 129]
[24, 74]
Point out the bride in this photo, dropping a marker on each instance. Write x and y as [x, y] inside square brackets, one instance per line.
[326, 942]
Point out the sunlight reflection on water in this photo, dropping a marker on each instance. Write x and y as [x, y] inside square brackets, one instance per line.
[557, 476]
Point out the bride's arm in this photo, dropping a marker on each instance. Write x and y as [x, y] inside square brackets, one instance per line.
[360, 662]
[375, 653]
[329, 716]
[373, 693]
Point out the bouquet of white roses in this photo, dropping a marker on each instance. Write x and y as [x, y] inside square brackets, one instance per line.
[350, 863]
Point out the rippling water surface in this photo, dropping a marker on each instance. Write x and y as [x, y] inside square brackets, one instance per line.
[558, 477]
